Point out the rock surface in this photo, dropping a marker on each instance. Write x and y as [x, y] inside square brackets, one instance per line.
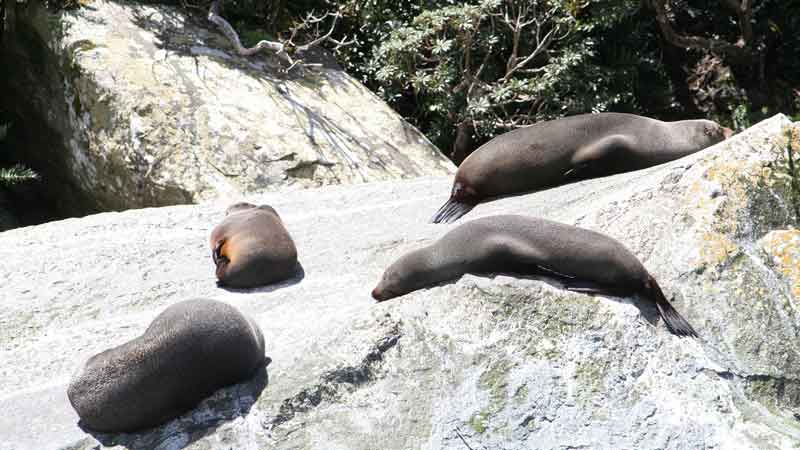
[150, 107]
[483, 363]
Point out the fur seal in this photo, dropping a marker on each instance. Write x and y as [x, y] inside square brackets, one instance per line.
[582, 260]
[559, 151]
[190, 350]
[251, 247]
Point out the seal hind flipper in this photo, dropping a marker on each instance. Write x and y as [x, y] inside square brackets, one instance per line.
[451, 211]
[675, 323]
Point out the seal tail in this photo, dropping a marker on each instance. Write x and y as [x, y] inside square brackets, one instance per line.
[451, 211]
[676, 324]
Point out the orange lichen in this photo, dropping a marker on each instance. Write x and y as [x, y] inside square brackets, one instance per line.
[716, 249]
[784, 248]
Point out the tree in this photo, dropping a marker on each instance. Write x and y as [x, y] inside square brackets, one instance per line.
[466, 72]
[285, 49]
[17, 173]
[742, 56]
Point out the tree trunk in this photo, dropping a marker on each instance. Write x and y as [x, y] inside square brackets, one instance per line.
[462, 146]
[674, 58]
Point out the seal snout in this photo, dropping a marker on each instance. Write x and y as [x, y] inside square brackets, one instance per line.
[377, 294]
[727, 132]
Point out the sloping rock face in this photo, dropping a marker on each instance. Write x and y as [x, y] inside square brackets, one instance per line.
[482, 363]
[148, 107]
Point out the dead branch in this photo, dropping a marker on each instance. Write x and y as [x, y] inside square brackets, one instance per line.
[517, 24]
[281, 49]
[735, 52]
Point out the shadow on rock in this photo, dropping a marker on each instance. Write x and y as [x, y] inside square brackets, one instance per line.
[299, 274]
[203, 420]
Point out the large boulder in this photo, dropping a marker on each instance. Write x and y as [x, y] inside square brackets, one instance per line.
[129, 105]
[482, 363]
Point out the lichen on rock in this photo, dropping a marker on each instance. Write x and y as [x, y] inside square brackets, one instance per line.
[484, 362]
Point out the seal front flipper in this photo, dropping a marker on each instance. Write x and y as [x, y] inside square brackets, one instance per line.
[589, 160]
[462, 199]
[578, 172]
[451, 211]
[589, 287]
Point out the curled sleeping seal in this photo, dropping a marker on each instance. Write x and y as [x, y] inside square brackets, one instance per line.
[580, 259]
[251, 247]
[559, 151]
[189, 351]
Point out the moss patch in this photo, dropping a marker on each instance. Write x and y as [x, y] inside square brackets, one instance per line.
[495, 381]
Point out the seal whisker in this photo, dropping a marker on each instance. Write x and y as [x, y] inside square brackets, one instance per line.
[458, 212]
[443, 211]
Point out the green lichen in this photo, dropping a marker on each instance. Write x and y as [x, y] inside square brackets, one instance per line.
[789, 147]
[521, 396]
[495, 381]
[479, 422]
[591, 374]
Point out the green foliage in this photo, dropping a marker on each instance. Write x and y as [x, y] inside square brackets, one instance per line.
[741, 117]
[16, 174]
[791, 170]
[429, 66]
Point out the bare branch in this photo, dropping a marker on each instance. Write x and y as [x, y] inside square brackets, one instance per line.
[281, 49]
[324, 38]
[540, 47]
[230, 33]
[735, 52]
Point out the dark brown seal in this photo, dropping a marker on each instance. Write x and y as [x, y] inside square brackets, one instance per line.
[189, 351]
[582, 260]
[559, 151]
[251, 247]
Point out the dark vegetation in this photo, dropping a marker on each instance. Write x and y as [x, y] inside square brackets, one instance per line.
[465, 71]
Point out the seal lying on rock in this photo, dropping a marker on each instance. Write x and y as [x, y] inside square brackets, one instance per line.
[559, 151]
[189, 351]
[251, 247]
[582, 260]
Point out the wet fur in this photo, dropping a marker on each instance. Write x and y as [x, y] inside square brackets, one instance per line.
[251, 248]
[190, 350]
[562, 151]
[582, 260]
